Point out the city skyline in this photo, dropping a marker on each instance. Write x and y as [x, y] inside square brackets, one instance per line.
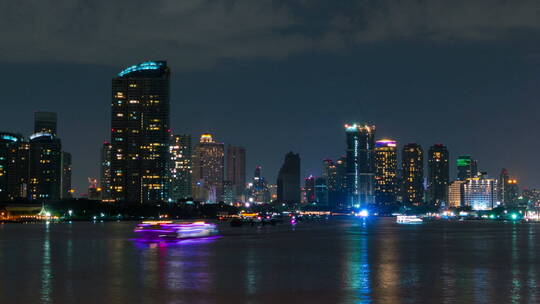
[472, 87]
[454, 160]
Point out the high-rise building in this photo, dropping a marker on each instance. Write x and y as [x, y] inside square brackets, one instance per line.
[438, 175]
[455, 193]
[45, 167]
[236, 170]
[480, 193]
[288, 181]
[140, 133]
[309, 186]
[181, 167]
[259, 190]
[511, 193]
[335, 175]
[467, 167]
[413, 174]
[13, 167]
[228, 192]
[208, 170]
[360, 141]
[45, 122]
[65, 184]
[386, 186]
[508, 192]
[330, 174]
[321, 192]
[105, 180]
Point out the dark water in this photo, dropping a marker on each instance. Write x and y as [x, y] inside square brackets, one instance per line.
[340, 261]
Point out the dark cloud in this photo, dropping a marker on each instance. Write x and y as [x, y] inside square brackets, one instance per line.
[199, 33]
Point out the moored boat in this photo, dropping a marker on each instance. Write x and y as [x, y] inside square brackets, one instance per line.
[408, 219]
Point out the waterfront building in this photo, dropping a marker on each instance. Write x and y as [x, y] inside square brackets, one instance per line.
[438, 175]
[228, 192]
[386, 186]
[480, 193]
[412, 167]
[321, 192]
[14, 155]
[105, 171]
[181, 167]
[259, 190]
[360, 140]
[531, 197]
[236, 170]
[309, 186]
[65, 183]
[288, 181]
[455, 194]
[208, 170]
[140, 133]
[45, 167]
[467, 167]
[335, 175]
[508, 193]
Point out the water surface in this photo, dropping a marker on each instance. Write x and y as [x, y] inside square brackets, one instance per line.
[335, 261]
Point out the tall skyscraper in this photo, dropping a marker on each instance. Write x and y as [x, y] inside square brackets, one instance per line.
[14, 157]
[65, 184]
[467, 167]
[413, 174]
[208, 170]
[181, 167]
[288, 181]
[386, 186]
[438, 175]
[105, 180]
[140, 133]
[360, 164]
[45, 122]
[45, 167]
[508, 191]
[236, 170]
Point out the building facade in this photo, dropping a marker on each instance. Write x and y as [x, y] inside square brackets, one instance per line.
[412, 167]
[455, 194]
[105, 174]
[45, 167]
[181, 167]
[208, 170]
[480, 193]
[140, 133]
[467, 167]
[65, 191]
[438, 175]
[14, 157]
[288, 181]
[236, 170]
[360, 140]
[386, 181]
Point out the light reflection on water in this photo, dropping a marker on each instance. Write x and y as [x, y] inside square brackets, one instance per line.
[341, 261]
[46, 272]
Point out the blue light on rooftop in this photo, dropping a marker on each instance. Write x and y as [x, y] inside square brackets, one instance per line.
[10, 138]
[40, 134]
[148, 65]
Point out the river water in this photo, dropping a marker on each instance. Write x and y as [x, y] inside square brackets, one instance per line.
[336, 261]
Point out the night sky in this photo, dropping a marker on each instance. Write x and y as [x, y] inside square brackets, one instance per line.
[275, 76]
